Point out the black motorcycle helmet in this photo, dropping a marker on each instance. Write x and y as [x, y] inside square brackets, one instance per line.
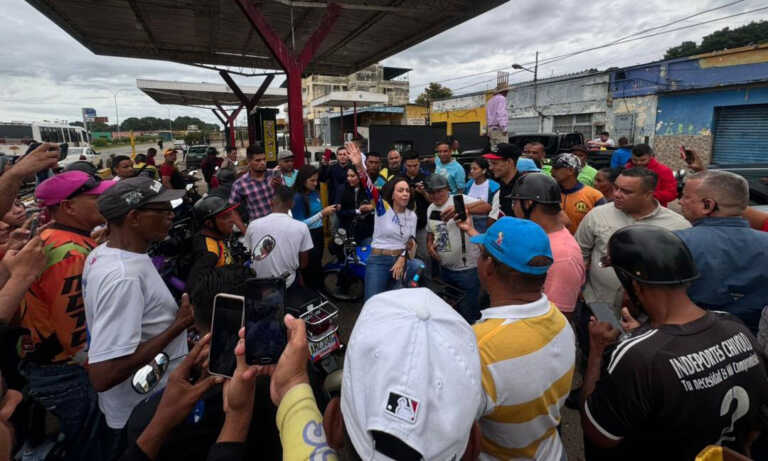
[650, 255]
[537, 187]
[226, 176]
[208, 207]
[84, 166]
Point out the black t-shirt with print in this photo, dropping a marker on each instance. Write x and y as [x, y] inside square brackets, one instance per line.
[670, 391]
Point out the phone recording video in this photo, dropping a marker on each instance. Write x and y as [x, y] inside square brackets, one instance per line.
[265, 335]
[686, 155]
[458, 205]
[228, 311]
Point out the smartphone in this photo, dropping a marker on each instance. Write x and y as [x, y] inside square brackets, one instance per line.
[227, 319]
[63, 150]
[265, 334]
[686, 155]
[435, 216]
[604, 313]
[458, 205]
[33, 225]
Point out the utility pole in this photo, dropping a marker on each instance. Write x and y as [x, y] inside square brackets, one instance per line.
[536, 90]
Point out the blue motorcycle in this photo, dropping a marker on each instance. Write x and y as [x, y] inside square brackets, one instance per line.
[345, 279]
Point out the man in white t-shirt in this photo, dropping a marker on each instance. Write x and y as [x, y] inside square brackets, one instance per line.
[130, 313]
[279, 244]
[450, 246]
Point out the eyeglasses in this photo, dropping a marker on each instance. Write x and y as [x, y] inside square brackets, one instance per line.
[90, 184]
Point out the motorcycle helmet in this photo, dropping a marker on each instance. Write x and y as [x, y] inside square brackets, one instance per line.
[211, 151]
[537, 187]
[84, 166]
[209, 207]
[226, 176]
[650, 255]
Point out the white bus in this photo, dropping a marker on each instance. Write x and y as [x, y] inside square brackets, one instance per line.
[16, 136]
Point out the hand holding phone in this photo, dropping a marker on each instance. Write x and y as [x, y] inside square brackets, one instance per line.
[265, 334]
[458, 205]
[228, 314]
[686, 155]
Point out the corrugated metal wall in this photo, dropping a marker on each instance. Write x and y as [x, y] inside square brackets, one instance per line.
[741, 134]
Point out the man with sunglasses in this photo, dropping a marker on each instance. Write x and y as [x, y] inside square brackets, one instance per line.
[729, 255]
[52, 310]
[131, 314]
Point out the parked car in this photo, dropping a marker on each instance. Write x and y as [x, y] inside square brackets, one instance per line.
[181, 146]
[75, 153]
[195, 156]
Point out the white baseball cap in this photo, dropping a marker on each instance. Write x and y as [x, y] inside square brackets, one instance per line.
[411, 370]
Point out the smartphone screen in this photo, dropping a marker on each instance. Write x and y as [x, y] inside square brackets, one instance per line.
[435, 216]
[458, 205]
[225, 325]
[604, 313]
[265, 334]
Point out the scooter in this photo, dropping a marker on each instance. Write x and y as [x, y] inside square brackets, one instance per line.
[345, 279]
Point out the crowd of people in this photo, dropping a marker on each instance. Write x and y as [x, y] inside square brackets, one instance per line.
[564, 270]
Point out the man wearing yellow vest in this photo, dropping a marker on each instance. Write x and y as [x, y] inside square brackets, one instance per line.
[214, 217]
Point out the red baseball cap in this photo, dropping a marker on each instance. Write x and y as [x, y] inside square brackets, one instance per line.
[66, 185]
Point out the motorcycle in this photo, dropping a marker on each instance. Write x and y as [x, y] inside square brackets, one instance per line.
[345, 279]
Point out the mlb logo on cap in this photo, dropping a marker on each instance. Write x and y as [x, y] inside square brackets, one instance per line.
[402, 407]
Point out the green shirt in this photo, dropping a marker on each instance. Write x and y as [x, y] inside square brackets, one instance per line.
[587, 175]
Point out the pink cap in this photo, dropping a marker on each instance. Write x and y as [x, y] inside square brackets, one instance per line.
[60, 187]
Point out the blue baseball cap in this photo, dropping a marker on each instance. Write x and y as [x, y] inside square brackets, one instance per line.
[526, 164]
[515, 242]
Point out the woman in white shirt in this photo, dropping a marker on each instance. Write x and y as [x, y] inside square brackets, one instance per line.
[480, 187]
[394, 231]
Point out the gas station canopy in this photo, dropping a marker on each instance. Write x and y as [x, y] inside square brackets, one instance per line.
[216, 32]
[350, 99]
[298, 37]
[206, 94]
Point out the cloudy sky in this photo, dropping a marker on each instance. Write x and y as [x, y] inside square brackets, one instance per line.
[46, 74]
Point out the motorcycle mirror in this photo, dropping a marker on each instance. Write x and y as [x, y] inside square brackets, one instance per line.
[342, 232]
[146, 378]
[190, 186]
[263, 248]
[176, 202]
[338, 241]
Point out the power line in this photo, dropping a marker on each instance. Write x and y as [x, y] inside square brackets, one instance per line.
[620, 41]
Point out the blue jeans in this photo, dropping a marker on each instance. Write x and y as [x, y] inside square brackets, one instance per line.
[467, 280]
[378, 278]
[66, 391]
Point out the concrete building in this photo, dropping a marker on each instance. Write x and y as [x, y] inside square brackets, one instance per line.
[715, 103]
[390, 81]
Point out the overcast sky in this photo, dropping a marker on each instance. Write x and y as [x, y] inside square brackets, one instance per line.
[46, 74]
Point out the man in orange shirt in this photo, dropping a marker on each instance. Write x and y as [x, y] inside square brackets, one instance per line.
[578, 199]
[54, 313]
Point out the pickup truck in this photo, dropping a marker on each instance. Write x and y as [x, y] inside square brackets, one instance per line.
[554, 144]
[756, 175]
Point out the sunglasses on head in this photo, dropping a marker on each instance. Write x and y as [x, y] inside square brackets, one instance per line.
[90, 184]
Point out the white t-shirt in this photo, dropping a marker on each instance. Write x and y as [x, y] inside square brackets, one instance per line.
[291, 237]
[447, 238]
[391, 231]
[126, 304]
[479, 191]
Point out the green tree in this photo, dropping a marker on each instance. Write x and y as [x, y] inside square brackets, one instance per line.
[433, 92]
[752, 33]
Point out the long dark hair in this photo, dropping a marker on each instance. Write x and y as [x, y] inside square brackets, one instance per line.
[305, 172]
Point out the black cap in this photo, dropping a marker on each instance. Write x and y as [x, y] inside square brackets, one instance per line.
[505, 151]
[132, 193]
[538, 187]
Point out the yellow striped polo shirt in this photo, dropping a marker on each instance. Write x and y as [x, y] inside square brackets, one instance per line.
[527, 353]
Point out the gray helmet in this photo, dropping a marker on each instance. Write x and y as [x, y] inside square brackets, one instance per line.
[437, 182]
[537, 187]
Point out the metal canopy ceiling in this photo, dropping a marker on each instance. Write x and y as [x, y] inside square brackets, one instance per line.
[216, 32]
[350, 99]
[206, 94]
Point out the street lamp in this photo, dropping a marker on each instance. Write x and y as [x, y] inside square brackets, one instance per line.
[117, 114]
[535, 73]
